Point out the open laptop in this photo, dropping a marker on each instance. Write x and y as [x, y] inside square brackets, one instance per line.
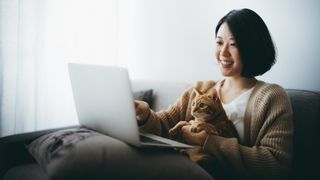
[104, 103]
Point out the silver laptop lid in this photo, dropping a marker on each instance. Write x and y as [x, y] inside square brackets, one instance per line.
[104, 101]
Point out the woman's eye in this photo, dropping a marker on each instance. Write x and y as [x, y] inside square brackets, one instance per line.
[219, 43]
[233, 44]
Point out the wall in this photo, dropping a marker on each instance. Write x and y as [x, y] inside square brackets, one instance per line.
[174, 39]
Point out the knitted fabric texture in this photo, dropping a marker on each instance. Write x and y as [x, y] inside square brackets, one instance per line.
[268, 132]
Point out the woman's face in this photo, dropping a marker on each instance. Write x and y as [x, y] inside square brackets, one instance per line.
[227, 52]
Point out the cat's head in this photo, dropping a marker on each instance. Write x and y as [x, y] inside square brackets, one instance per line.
[205, 105]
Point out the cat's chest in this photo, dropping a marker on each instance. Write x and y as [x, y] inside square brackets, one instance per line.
[197, 121]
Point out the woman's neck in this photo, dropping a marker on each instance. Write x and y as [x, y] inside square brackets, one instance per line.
[239, 83]
[232, 87]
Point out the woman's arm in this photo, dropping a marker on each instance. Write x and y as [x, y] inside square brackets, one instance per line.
[160, 122]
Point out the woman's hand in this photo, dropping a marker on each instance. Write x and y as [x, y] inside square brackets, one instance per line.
[142, 111]
[192, 138]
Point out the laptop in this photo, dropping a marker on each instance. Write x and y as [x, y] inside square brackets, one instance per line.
[104, 103]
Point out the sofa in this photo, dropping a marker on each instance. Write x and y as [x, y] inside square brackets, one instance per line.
[122, 161]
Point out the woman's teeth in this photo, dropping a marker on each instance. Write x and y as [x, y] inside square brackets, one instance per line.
[226, 62]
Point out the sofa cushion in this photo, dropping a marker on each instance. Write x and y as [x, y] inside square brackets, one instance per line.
[54, 145]
[143, 95]
[306, 117]
[165, 93]
[85, 154]
[30, 171]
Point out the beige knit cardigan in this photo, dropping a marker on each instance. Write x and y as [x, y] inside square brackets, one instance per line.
[268, 131]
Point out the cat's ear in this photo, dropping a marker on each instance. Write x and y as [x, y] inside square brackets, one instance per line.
[214, 98]
[213, 94]
[197, 91]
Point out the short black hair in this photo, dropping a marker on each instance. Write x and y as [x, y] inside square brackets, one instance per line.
[253, 39]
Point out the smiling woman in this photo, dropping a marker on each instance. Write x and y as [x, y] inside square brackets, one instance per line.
[245, 44]
[262, 114]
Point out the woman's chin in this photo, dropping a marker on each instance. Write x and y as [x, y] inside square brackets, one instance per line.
[225, 73]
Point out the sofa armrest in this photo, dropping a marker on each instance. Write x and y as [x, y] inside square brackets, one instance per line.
[13, 151]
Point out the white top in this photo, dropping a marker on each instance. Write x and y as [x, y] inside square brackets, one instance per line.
[235, 111]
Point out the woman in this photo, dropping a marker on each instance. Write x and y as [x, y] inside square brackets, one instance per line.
[260, 111]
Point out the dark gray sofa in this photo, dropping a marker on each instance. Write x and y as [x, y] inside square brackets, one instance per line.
[17, 163]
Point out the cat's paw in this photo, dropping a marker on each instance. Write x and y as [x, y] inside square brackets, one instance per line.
[173, 133]
[193, 129]
[196, 129]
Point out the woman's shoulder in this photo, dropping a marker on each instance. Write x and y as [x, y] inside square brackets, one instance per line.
[269, 97]
[266, 87]
[269, 90]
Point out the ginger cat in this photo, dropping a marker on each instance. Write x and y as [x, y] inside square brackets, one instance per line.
[209, 116]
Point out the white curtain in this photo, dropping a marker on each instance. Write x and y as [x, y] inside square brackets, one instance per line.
[37, 40]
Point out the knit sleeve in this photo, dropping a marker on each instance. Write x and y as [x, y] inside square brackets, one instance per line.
[268, 155]
[160, 122]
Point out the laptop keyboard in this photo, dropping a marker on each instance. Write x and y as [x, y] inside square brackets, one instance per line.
[149, 140]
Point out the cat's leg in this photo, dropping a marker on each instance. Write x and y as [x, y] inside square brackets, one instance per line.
[197, 155]
[175, 131]
[206, 161]
[197, 127]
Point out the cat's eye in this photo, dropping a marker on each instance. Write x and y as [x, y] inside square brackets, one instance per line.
[202, 105]
[193, 103]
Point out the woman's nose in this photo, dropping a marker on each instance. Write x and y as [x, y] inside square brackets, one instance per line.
[225, 51]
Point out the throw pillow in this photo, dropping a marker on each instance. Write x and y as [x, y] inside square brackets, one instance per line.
[144, 95]
[54, 145]
[85, 154]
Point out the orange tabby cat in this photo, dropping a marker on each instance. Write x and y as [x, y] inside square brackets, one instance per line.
[209, 116]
